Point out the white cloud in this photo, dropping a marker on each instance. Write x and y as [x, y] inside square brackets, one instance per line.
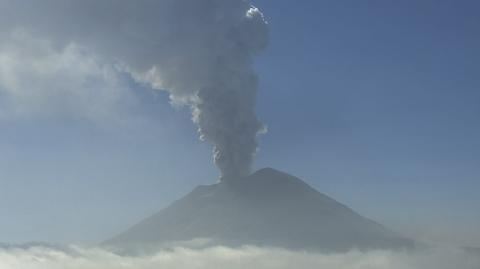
[41, 79]
[230, 258]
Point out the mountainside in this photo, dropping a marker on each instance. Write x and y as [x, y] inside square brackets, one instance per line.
[268, 208]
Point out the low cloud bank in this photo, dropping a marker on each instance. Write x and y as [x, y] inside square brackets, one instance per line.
[231, 258]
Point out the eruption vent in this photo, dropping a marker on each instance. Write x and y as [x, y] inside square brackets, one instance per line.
[200, 51]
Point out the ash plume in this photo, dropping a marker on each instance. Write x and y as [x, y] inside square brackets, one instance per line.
[200, 51]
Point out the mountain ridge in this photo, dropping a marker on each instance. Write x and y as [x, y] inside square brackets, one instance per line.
[267, 208]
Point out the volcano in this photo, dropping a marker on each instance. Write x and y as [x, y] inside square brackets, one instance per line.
[267, 208]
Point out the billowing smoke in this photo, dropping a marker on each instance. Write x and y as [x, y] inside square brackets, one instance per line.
[200, 51]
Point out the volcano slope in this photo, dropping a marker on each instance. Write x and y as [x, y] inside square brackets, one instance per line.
[267, 208]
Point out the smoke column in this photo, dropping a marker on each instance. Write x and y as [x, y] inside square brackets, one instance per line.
[200, 51]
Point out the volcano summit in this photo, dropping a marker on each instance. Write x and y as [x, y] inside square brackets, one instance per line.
[267, 208]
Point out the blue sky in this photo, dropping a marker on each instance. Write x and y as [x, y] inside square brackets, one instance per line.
[375, 103]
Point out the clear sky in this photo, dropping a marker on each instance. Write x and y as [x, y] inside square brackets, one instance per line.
[375, 103]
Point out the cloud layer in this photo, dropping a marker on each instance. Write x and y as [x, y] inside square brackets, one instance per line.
[228, 258]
